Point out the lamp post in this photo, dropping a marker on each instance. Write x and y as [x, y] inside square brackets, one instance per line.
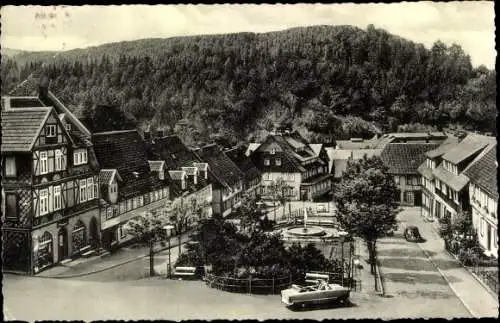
[168, 228]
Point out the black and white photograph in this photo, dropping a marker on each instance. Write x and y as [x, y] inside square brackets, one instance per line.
[249, 161]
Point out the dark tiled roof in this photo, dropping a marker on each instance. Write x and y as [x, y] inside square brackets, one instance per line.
[172, 150]
[405, 158]
[244, 163]
[223, 169]
[467, 147]
[126, 152]
[483, 171]
[456, 182]
[20, 128]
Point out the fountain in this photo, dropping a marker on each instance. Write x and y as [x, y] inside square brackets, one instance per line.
[311, 233]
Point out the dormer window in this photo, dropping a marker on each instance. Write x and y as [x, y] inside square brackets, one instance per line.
[50, 130]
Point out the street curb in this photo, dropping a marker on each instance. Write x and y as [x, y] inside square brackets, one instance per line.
[380, 281]
[448, 282]
[492, 293]
[107, 268]
[474, 275]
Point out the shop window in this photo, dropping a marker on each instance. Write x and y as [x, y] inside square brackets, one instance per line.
[78, 237]
[45, 250]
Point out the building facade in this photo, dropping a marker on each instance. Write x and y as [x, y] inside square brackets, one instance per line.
[50, 181]
[252, 176]
[403, 160]
[130, 183]
[303, 167]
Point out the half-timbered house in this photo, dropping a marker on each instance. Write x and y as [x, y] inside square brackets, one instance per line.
[50, 181]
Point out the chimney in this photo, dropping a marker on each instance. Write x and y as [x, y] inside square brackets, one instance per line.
[43, 84]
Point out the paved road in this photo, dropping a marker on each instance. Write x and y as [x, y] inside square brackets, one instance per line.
[427, 277]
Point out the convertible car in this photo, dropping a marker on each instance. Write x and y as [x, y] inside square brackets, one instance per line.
[316, 294]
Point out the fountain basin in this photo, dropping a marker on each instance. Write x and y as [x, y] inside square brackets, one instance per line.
[310, 231]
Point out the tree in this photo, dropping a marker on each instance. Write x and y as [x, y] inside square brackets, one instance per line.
[178, 212]
[148, 228]
[366, 201]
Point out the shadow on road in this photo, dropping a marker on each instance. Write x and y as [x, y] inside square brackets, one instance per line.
[417, 278]
[399, 252]
[315, 307]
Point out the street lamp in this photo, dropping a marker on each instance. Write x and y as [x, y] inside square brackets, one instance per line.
[168, 229]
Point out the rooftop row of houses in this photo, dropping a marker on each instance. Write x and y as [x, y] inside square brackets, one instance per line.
[67, 192]
[442, 173]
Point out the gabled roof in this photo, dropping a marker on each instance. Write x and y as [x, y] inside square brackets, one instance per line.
[469, 146]
[447, 144]
[30, 87]
[156, 165]
[483, 171]
[222, 168]
[456, 182]
[253, 146]
[20, 128]
[316, 148]
[244, 163]
[172, 150]
[126, 152]
[177, 175]
[405, 158]
[106, 176]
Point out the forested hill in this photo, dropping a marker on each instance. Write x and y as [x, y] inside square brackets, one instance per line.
[329, 81]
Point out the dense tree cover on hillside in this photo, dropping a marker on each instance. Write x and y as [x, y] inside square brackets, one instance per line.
[329, 81]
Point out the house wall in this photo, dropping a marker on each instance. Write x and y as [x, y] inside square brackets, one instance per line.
[292, 179]
[54, 229]
[485, 219]
[404, 186]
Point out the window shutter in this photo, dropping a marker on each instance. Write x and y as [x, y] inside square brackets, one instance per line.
[36, 162]
[63, 195]
[36, 210]
[50, 163]
[51, 198]
[77, 191]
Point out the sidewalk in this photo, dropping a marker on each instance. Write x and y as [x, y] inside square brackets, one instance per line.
[88, 266]
[476, 298]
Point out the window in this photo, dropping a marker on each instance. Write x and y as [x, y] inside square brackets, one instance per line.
[438, 184]
[68, 126]
[273, 151]
[59, 160]
[278, 161]
[43, 163]
[57, 197]
[44, 201]
[129, 205]
[481, 227]
[50, 130]
[267, 162]
[83, 190]
[90, 188]
[109, 213]
[396, 180]
[11, 206]
[267, 176]
[80, 157]
[10, 166]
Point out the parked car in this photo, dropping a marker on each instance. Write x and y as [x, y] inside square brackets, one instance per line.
[320, 293]
[412, 234]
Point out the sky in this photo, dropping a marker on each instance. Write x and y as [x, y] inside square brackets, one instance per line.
[470, 24]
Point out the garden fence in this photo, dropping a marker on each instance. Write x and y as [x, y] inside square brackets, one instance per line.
[253, 285]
